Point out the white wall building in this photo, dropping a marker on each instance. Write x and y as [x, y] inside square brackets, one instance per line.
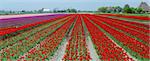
[45, 9]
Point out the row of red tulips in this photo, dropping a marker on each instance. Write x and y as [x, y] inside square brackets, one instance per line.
[131, 17]
[129, 22]
[12, 30]
[106, 48]
[131, 45]
[129, 25]
[76, 47]
[49, 45]
[22, 35]
[13, 52]
[6, 28]
[138, 34]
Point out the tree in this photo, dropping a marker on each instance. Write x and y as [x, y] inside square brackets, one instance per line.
[40, 10]
[23, 11]
[118, 9]
[71, 10]
[68, 10]
[114, 9]
[102, 9]
[127, 9]
[140, 10]
[133, 10]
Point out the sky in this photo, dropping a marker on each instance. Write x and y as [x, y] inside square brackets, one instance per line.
[64, 4]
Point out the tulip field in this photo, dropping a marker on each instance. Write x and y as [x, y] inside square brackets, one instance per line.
[144, 18]
[75, 37]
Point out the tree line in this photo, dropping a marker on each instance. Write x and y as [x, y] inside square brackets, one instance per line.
[69, 10]
[125, 9]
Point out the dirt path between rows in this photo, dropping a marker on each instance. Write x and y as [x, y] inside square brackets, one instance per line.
[59, 54]
[92, 50]
[123, 49]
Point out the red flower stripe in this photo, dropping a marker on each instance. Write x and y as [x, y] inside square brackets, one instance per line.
[131, 17]
[106, 49]
[11, 30]
[127, 41]
[28, 43]
[47, 46]
[132, 23]
[125, 24]
[144, 37]
[77, 48]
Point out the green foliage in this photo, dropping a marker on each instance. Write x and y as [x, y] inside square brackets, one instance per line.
[118, 9]
[140, 10]
[69, 10]
[4, 12]
[102, 9]
[66, 11]
[115, 9]
[127, 9]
